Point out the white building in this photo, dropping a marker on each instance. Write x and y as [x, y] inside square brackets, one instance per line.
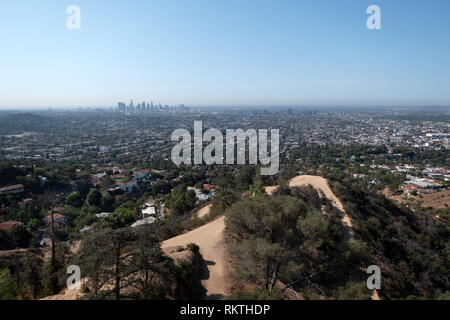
[149, 211]
[103, 214]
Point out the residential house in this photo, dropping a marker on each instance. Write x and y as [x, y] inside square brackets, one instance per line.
[128, 186]
[141, 174]
[103, 214]
[6, 226]
[58, 220]
[86, 229]
[148, 212]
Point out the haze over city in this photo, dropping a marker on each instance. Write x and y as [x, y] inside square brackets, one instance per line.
[224, 53]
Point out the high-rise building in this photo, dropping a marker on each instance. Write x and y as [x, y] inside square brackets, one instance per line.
[131, 107]
[121, 107]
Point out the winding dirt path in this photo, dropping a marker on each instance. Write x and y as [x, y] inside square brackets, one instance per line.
[210, 239]
[203, 211]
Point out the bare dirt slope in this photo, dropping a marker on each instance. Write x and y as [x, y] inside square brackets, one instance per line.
[435, 200]
[203, 211]
[321, 184]
[210, 239]
[66, 294]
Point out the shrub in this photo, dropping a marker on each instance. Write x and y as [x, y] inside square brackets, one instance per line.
[193, 247]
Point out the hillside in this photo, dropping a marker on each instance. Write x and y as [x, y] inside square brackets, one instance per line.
[321, 185]
[210, 239]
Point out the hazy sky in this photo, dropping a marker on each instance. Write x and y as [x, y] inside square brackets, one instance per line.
[224, 52]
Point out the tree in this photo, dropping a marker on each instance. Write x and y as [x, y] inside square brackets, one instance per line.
[181, 200]
[106, 182]
[126, 263]
[8, 173]
[34, 224]
[121, 218]
[245, 177]
[7, 287]
[31, 273]
[224, 199]
[83, 184]
[108, 202]
[94, 198]
[20, 236]
[353, 291]
[257, 188]
[283, 188]
[74, 200]
[5, 241]
[30, 211]
[314, 228]
[50, 279]
[266, 235]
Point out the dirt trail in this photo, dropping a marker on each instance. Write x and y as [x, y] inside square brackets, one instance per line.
[66, 294]
[321, 184]
[203, 211]
[210, 239]
[375, 295]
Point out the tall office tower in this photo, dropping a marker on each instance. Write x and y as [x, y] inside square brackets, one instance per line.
[138, 107]
[131, 106]
[148, 106]
[143, 106]
[160, 107]
[121, 107]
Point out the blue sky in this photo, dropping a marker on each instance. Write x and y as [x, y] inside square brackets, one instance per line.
[224, 52]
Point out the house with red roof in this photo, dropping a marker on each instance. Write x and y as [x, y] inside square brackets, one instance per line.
[6, 226]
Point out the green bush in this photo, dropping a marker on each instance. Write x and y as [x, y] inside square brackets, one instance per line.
[7, 287]
[193, 247]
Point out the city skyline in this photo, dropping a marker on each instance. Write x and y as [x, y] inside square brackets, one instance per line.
[224, 54]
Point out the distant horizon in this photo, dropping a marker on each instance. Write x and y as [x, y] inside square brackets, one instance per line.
[208, 53]
[311, 105]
